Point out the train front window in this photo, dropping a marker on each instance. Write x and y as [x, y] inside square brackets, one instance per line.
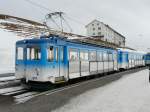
[50, 53]
[33, 53]
[19, 53]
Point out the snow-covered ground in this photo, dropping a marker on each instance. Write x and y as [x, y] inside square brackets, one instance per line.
[7, 61]
[7, 51]
[131, 93]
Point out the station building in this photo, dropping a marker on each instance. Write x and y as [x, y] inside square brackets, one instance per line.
[100, 30]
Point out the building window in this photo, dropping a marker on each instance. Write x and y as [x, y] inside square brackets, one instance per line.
[93, 33]
[99, 33]
[92, 24]
[97, 24]
[93, 29]
[119, 43]
[99, 28]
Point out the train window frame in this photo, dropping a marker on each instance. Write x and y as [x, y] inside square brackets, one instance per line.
[105, 56]
[75, 55]
[56, 54]
[99, 56]
[110, 56]
[90, 55]
[61, 53]
[85, 55]
[20, 57]
[50, 53]
[34, 53]
[115, 56]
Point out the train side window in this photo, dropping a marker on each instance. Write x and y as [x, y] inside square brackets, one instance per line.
[123, 56]
[56, 53]
[130, 57]
[110, 57]
[105, 57]
[73, 54]
[61, 53]
[19, 53]
[33, 53]
[84, 55]
[50, 53]
[99, 56]
[92, 55]
[115, 56]
[37, 52]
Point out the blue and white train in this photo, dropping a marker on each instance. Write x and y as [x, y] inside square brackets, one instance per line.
[147, 59]
[58, 60]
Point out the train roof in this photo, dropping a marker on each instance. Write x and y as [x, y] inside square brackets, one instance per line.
[60, 40]
[131, 51]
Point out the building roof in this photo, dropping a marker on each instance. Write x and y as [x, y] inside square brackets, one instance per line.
[92, 22]
[106, 26]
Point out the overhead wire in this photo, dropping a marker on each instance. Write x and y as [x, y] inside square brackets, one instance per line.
[47, 9]
[38, 5]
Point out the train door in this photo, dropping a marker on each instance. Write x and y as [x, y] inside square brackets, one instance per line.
[110, 62]
[74, 64]
[61, 61]
[105, 59]
[56, 62]
[115, 61]
[59, 57]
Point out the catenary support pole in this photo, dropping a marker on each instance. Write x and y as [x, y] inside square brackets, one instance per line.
[149, 72]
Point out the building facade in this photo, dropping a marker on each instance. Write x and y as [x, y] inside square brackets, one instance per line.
[105, 32]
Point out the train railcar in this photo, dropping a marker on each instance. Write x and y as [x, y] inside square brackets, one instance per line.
[123, 61]
[56, 60]
[147, 59]
[130, 58]
[136, 59]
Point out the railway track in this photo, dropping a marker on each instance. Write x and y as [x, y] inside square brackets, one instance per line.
[8, 81]
[9, 86]
[22, 94]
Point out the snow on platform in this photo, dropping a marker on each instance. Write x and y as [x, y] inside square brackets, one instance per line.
[2, 79]
[129, 94]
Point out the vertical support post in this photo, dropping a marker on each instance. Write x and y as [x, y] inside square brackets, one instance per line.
[68, 71]
[80, 68]
[149, 73]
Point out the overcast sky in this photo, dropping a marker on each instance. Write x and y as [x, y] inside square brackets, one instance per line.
[131, 18]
